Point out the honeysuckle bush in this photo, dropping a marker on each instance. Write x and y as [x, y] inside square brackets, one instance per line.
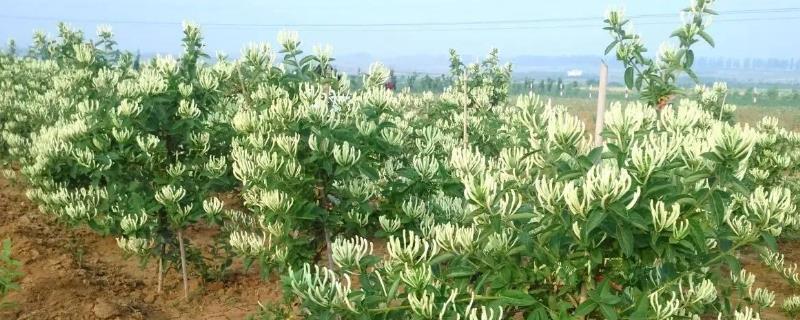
[130, 153]
[644, 226]
[487, 208]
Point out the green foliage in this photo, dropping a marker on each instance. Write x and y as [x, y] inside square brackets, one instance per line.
[656, 77]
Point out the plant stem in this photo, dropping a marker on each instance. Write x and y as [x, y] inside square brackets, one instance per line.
[160, 274]
[328, 249]
[183, 266]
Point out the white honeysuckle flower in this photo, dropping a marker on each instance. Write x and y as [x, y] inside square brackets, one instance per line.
[132, 223]
[761, 297]
[422, 305]
[165, 65]
[482, 189]
[577, 202]
[185, 89]
[134, 245]
[417, 277]
[128, 108]
[84, 53]
[188, 109]
[366, 127]
[681, 230]
[456, 239]
[200, 141]
[743, 279]
[169, 195]
[683, 118]
[768, 123]
[770, 208]
[245, 121]
[742, 228]
[664, 219]
[361, 189]
[249, 244]
[324, 53]
[84, 157]
[623, 124]
[746, 314]
[425, 166]
[377, 75]
[607, 183]
[549, 194]
[216, 166]
[175, 170]
[323, 288]
[467, 161]
[361, 218]
[664, 310]
[258, 54]
[791, 305]
[410, 249]
[104, 31]
[148, 143]
[269, 162]
[652, 154]
[733, 142]
[389, 225]
[414, 207]
[207, 79]
[759, 175]
[122, 135]
[703, 293]
[290, 40]
[482, 313]
[393, 136]
[576, 230]
[287, 143]
[276, 201]
[508, 205]
[347, 253]
[213, 206]
[318, 145]
[275, 229]
[565, 131]
[345, 154]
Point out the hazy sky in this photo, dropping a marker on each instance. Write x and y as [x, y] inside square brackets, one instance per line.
[773, 34]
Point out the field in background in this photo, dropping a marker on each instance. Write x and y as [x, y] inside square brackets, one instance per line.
[789, 116]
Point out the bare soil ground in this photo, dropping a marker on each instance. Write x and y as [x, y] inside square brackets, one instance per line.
[77, 274]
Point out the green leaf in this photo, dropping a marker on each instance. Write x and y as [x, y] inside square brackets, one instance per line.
[609, 312]
[585, 308]
[611, 46]
[442, 258]
[521, 216]
[517, 298]
[717, 207]
[625, 237]
[594, 220]
[629, 77]
[707, 37]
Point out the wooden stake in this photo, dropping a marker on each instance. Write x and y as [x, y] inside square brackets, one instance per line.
[601, 104]
[183, 266]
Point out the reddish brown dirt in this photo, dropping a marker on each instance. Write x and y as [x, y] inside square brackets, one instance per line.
[77, 274]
